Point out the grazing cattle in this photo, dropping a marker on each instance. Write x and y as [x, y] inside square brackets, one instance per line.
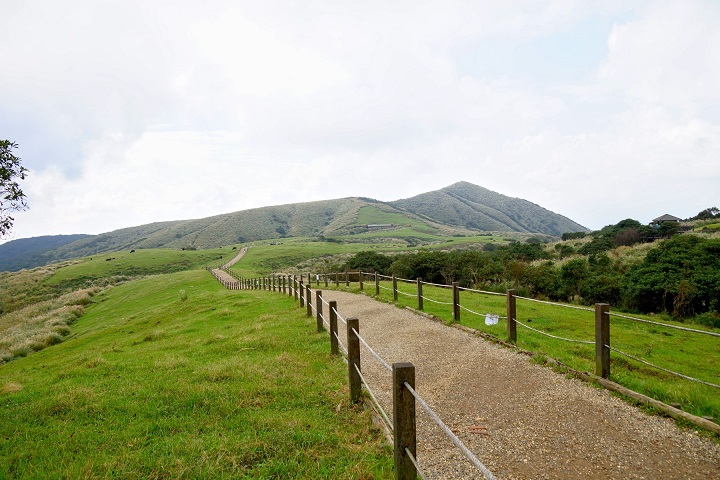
[132, 251]
[234, 248]
[108, 259]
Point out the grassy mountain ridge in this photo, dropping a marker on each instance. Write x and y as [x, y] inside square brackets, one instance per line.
[471, 206]
[460, 209]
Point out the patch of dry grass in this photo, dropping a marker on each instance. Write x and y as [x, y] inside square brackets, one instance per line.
[42, 324]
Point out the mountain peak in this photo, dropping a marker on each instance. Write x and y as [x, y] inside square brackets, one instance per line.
[476, 207]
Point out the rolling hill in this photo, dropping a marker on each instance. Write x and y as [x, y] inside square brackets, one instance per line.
[460, 209]
[470, 206]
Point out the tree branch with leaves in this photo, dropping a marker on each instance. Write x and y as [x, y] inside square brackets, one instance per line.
[12, 198]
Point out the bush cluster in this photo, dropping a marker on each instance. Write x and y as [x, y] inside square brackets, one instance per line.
[680, 276]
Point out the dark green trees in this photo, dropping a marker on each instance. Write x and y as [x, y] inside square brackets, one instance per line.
[681, 276]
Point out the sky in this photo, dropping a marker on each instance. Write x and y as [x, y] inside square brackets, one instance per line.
[132, 112]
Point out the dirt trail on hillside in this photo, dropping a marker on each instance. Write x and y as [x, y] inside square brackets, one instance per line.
[523, 421]
[237, 258]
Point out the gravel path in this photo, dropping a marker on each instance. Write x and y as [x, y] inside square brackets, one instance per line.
[523, 421]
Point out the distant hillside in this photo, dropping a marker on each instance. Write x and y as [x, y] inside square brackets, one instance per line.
[30, 252]
[467, 205]
[460, 209]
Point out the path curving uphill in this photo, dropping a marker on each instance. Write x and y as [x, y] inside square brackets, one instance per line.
[523, 421]
[236, 258]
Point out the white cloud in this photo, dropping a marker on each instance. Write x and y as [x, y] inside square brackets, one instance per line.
[667, 56]
[135, 112]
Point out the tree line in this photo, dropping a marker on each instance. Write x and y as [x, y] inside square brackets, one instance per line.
[679, 276]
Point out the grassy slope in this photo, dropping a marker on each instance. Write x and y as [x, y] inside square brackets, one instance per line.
[149, 386]
[18, 289]
[479, 208]
[265, 259]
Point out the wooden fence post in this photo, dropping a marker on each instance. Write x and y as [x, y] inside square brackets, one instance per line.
[309, 280]
[332, 310]
[301, 292]
[295, 287]
[337, 279]
[394, 287]
[602, 340]
[347, 279]
[308, 300]
[360, 277]
[325, 277]
[511, 316]
[456, 301]
[318, 310]
[273, 283]
[404, 421]
[419, 293]
[377, 284]
[353, 325]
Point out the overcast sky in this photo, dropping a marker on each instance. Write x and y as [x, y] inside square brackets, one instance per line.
[131, 112]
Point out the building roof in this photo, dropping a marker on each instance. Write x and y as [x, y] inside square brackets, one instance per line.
[667, 218]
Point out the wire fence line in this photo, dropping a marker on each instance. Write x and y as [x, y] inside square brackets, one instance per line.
[686, 377]
[373, 352]
[480, 314]
[340, 344]
[405, 280]
[327, 325]
[458, 443]
[676, 327]
[415, 463]
[556, 304]
[388, 422]
[339, 316]
[585, 342]
[436, 301]
[482, 291]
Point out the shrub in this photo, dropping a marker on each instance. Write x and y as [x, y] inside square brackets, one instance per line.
[681, 276]
[369, 261]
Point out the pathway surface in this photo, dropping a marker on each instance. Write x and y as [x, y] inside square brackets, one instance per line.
[523, 421]
[225, 278]
[236, 258]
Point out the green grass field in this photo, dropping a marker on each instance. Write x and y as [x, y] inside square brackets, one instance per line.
[372, 216]
[266, 258]
[711, 226]
[221, 384]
